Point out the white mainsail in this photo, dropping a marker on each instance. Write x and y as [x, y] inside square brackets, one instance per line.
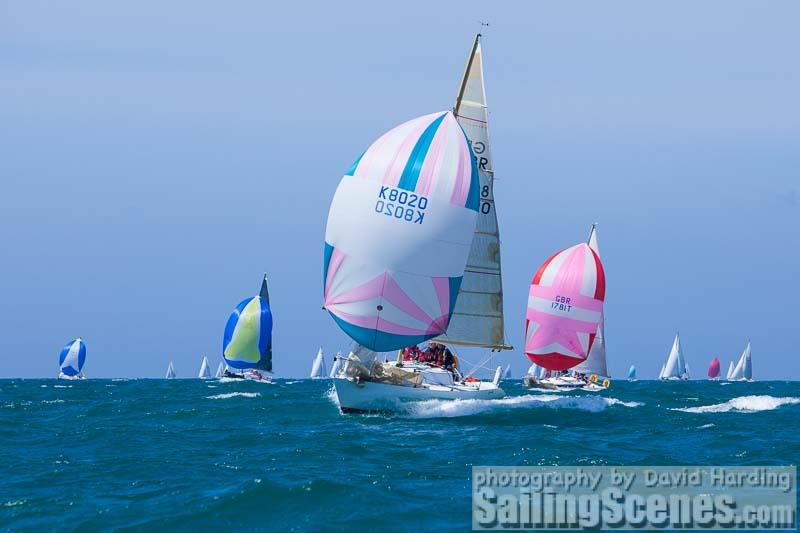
[730, 371]
[595, 362]
[477, 319]
[744, 367]
[170, 371]
[205, 372]
[318, 367]
[675, 367]
[220, 370]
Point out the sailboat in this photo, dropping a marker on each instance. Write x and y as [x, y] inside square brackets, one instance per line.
[730, 371]
[205, 371]
[743, 371]
[713, 369]
[565, 311]
[170, 371]
[71, 360]
[675, 368]
[412, 254]
[220, 370]
[318, 370]
[632, 373]
[507, 372]
[595, 364]
[247, 342]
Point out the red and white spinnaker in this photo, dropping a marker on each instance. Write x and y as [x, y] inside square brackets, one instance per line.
[565, 308]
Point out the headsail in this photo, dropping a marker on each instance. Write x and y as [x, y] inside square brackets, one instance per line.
[170, 371]
[318, 367]
[730, 371]
[72, 357]
[713, 368]
[399, 232]
[632, 372]
[247, 342]
[205, 371]
[565, 308]
[220, 370]
[478, 316]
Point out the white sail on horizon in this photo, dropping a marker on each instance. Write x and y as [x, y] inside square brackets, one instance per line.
[477, 319]
[675, 367]
[744, 366]
[170, 371]
[220, 370]
[318, 369]
[205, 372]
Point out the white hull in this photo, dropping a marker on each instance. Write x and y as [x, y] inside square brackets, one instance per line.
[671, 378]
[249, 375]
[563, 384]
[64, 376]
[370, 396]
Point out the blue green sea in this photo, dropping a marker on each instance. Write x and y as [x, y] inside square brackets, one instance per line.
[193, 455]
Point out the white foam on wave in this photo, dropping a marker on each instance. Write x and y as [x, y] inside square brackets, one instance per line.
[725, 383]
[743, 404]
[457, 408]
[706, 426]
[233, 395]
[62, 386]
[58, 400]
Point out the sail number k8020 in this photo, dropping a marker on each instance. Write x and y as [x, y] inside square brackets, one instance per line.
[402, 205]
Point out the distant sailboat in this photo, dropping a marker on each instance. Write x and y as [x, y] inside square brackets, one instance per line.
[564, 319]
[713, 369]
[170, 371]
[247, 342]
[220, 370]
[318, 370]
[730, 371]
[507, 373]
[205, 371]
[71, 360]
[675, 368]
[743, 371]
[632, 373]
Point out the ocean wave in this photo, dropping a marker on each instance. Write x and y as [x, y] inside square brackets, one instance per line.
[62, 386]
[233, 395]
[457, 408]
[58, 400]
[743, 404]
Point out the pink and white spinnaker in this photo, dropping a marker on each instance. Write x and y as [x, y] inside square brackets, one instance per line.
[565, 308]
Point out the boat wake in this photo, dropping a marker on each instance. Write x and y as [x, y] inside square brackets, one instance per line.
[233, 395]
[743, 404]
[458, 408]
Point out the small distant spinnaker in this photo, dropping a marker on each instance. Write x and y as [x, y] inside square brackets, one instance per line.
[72, 357]
[632, 372]
[247, 342]
[565, 308]
[713, 368]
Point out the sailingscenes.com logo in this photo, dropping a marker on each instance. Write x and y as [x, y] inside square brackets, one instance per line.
[656, 497]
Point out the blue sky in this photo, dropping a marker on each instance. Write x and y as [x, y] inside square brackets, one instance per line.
[156, 159]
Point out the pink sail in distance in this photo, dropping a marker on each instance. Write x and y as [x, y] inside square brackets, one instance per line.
[713, 368]
[565, 308]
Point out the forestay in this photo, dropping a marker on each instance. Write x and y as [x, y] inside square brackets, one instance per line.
[398, 234]
[478, 316]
